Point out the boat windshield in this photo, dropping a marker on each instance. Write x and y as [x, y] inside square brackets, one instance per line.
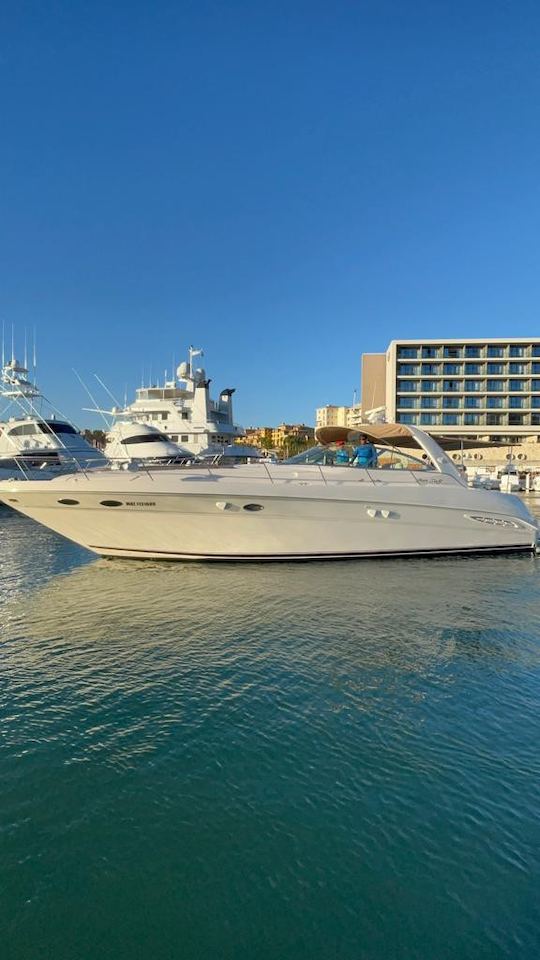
[388, 458]
[146, 438]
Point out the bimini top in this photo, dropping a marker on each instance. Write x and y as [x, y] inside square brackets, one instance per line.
[392, 434]
[397, 435]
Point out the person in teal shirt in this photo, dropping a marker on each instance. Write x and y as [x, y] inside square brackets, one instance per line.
[365, 454]
[341, 456]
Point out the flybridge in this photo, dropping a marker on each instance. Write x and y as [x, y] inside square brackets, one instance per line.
[184, 411]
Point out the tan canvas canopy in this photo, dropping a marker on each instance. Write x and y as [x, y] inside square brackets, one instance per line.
[393, 435]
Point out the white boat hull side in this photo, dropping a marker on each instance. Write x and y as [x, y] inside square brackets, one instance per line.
[299, 525]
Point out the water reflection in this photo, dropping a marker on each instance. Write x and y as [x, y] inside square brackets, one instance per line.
[398, 611]
[347, 750]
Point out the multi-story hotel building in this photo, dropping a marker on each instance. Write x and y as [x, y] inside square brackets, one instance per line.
[332, 416]
[471, 388]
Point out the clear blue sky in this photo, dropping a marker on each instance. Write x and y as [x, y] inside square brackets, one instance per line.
[287, 184]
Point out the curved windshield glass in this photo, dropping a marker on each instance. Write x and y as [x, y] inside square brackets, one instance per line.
[56, 426]
[146, 438]
[347, 455]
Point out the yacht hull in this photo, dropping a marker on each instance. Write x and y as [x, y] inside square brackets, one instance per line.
[215, 518]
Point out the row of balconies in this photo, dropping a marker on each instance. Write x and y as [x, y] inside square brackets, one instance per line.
[526, 405]
[486, 351]
[470, 419]
[470, 388]
[533, 370]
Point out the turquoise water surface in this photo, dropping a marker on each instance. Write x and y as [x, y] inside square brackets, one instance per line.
[283, 762]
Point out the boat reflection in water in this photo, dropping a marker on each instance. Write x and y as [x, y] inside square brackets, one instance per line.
[347, 750]
[405, 611]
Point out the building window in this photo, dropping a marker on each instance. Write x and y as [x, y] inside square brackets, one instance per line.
[493, 351]
[407, 353]
[452, 403]
[470, 419]
[429, 402]
[473, 402]
[516, 385]
[473, 386]
[407, 417]
[407, 386]
[452, 386]
[536, 350]
[472, 369]
[452, 352]
[495, 402]
[536, 368]
[450, 419]
[517, 351]
[517, 402]
[185, 415]
[471, 351]
[429, 418]
[408, 369]
[517, 368]
[535, 419]
[515, 419]
[452, 368]
[429, 353]
[434, 368]
[495, 368]
[409, 402]
[495, 384]
[535, 401]
[184, 438]
[493, 419]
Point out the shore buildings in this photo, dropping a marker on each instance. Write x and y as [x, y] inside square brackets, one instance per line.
[473, 388]
[332, 416]
[278, 437]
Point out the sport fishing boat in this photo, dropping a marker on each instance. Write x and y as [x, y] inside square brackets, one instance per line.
[307, 508]
[36, 444]
[128, 442]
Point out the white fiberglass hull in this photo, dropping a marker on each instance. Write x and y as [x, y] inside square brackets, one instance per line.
[252, 515]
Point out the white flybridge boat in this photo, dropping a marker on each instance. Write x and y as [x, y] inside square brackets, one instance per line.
[183, 409]
[36, 444]
[307, 508]
[129, 442]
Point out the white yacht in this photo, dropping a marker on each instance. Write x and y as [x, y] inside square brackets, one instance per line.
[183, 409]
[308, 508]
[33, 443]
[129, 442]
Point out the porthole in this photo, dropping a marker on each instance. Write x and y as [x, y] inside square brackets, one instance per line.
[69, 503]
[111, 503]
[253, 506]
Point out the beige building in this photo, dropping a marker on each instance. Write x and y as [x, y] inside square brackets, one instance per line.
[332, 416]
[276, 437]
[469, 388]
[473, 388]
[373, 381]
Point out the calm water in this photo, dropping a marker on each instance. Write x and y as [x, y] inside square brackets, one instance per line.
[315, 761]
